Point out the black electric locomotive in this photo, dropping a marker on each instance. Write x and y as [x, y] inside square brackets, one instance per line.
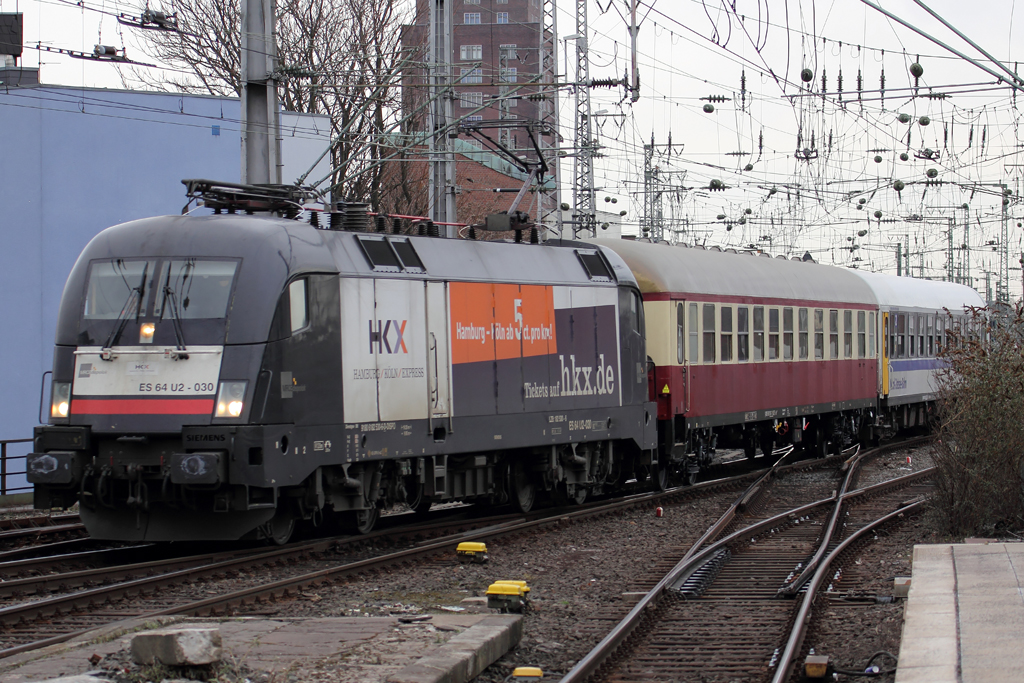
[227, 376]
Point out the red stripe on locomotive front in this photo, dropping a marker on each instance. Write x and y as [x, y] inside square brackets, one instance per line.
[152, 406]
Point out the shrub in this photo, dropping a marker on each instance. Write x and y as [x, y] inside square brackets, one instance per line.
[981, 434]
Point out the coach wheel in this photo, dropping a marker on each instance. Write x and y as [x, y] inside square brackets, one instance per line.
[523, 491]
[689, 476]
[280, 528]
[578, 495]
[767, 443]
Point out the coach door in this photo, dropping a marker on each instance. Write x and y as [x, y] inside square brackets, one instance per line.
[887, 337]
[438, 382]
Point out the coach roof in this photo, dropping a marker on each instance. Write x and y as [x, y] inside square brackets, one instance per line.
[661, 268]
[909, 292]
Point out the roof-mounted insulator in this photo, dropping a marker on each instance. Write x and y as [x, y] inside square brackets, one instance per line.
[534, 236]
[432, 229]
[397, 226]
[381, 222]
[335, 220]
[314, 218]
[421, 229]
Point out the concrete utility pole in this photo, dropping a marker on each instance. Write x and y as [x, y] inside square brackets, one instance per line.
[261, 133]
[584, 211]
[441, 185]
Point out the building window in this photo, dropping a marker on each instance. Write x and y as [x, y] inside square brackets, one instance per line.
[508, 51]
[471, 18]
[471, 75]
[510, 100]
[742, 333]
[508, 75]
[475, 118]
[471, 52]
[472, 2]
[471, 100]
[709, 333]
[501, 2]
[501, 17]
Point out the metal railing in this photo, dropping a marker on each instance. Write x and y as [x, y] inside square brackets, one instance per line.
[5, 467]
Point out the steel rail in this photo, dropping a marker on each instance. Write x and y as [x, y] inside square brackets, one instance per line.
[86, 598]
[796, 638]
[694, 559]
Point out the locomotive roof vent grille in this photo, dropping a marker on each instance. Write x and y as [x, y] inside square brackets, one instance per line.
[595, 265]
[390, 254]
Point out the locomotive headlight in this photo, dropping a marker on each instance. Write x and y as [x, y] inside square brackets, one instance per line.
[60, 399]
[230, 399]
[146, 331]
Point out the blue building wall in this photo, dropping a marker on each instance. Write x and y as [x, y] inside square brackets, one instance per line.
[75, 161]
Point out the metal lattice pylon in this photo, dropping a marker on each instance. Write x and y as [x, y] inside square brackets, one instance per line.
[584, 213]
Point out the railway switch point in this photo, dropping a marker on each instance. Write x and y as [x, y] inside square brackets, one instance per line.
[816, 666]
[527, 673]
[469, 551]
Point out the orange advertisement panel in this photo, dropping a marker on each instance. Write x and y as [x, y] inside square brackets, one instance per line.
[497, 321]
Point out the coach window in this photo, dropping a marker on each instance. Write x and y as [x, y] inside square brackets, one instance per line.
[803, 327]
[709, 333]
[901, 335]
[931, 334]
[862, 346]
[787, 334]
[920, 334]
[758, 333]
[742, 333]
[680, 333]
[911, 349]
[833, 334]
[297, 304]
[871, 335]
[726, 337]
[819, 334]
[847, 334]
[693, 333]
[773, 334]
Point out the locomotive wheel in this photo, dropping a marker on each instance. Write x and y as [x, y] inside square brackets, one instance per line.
[523, 491]
[279, 530]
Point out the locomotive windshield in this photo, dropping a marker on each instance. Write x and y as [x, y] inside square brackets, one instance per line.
[186, 289]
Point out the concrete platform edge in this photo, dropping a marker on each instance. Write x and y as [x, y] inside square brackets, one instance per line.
[464, 656]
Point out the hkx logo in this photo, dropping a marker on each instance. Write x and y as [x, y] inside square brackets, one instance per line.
[388, 336]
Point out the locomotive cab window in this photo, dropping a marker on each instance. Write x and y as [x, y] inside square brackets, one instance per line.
[595, 265]
[112, 283]
[297, 298]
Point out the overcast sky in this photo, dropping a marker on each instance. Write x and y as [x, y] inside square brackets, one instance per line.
[691, 49]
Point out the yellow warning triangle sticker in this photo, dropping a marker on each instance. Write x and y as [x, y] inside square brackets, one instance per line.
[665, 390]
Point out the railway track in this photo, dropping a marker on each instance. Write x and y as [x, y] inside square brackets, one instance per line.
[722, 611]
[138, 590]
